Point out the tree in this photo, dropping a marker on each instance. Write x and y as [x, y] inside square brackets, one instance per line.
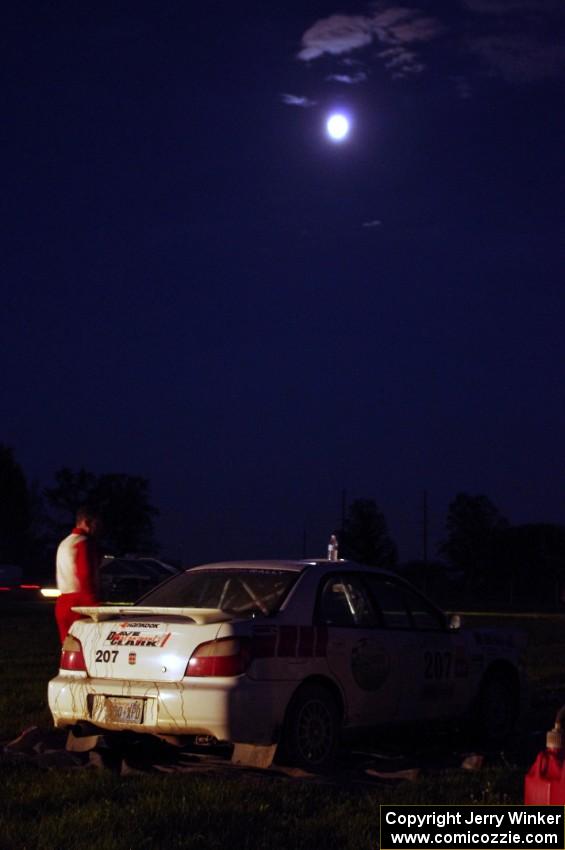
[473, 525]
[123, 503]
[15, 510]
[127, 515]
[71, 490]
[531, 559]
[365, 536]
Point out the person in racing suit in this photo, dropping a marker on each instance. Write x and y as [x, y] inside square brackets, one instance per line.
[77, 564]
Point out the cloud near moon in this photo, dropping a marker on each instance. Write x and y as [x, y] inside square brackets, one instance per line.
[395, 27]
[518, 40]
[297, 100]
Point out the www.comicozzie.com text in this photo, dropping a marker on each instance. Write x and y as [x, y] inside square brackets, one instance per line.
[472, 827]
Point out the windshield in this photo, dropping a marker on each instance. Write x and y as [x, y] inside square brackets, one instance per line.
[242, 592]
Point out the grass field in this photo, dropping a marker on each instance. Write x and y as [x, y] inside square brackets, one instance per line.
[67, 809]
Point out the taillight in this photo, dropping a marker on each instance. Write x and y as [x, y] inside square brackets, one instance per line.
[223, 657]
[71, 655]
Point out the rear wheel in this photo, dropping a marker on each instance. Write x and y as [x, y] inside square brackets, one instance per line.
[312, 728]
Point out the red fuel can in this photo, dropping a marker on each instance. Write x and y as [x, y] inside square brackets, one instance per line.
[545, 781]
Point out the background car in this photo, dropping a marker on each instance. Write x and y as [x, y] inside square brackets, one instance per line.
[288, 652]
[127, 578]
[122, 579]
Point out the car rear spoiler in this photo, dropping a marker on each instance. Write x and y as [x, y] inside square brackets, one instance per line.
[200, 616]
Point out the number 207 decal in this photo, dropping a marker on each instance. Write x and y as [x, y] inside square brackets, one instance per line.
[437, 665]
[106, 655]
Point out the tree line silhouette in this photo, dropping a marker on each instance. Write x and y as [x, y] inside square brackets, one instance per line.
[34, 520]
[482, 560]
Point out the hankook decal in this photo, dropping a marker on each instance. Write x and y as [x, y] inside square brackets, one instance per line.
[143, 625]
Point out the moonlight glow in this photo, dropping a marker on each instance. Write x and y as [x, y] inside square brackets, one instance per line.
[337, 126]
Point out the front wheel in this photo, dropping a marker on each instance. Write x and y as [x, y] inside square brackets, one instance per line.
[312, 727]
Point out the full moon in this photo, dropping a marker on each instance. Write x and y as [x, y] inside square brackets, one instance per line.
[337, 126]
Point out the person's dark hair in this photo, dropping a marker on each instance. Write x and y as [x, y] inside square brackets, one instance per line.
[87, 512]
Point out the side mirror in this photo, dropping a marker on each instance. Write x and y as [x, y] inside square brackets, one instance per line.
[454, 622]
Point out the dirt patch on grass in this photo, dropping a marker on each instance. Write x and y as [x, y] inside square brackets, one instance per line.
[125, 754]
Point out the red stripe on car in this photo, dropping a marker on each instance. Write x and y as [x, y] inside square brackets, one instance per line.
[264, 642]
[306, 642]
[321, 649]
[287, 642]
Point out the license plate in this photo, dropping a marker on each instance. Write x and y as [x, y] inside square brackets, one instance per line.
[117, 710]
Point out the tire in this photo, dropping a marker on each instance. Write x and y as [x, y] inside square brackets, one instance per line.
[312, 728]
[497, 707]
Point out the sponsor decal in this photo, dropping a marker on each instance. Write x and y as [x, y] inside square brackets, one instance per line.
[130, 637]
[247, 572]
[494, 638]
[131, 625]
[370, 666]
[132, 658]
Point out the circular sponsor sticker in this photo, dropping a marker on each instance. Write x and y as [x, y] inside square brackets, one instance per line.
[370, 666]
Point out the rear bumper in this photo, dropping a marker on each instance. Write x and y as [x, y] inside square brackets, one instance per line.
[235, 709]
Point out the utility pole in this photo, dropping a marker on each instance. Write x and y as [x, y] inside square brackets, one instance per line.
[425, 523]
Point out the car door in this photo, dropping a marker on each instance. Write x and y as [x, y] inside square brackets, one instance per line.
[434, 670]
[360, 652]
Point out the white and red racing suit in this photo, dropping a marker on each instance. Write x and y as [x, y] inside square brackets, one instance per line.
[77, 577]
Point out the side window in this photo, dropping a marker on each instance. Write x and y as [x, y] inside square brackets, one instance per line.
[424, 616]
[345, 602]
[390, 599]
[402, 608]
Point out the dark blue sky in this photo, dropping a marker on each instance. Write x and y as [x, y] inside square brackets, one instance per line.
[201, 288]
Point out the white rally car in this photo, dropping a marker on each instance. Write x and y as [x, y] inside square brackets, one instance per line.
[291, 651]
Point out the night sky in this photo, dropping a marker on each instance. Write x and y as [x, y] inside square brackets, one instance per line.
[202, 288]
